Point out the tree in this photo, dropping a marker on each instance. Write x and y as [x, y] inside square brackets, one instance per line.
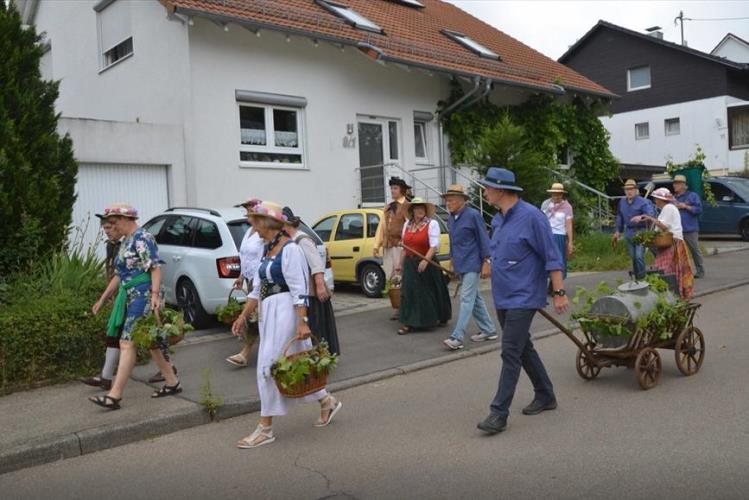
[37, 168]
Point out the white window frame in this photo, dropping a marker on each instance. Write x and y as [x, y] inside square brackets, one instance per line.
[642, 138]
[665, 126]
[270, 140]
[630, 88]
[350, 15]
[106, 65]
[471, 45]
[424, 137]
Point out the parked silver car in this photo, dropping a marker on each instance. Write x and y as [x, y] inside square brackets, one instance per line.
[200, 248]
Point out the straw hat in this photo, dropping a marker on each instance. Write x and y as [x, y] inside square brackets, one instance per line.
[420, 201]
[680, 178]
[557, 187]
[662, 194]
[268, 209]
[630, 183]
[455, 190]
[251, 202]
[120, 209]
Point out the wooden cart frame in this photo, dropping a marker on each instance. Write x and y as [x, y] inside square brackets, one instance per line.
[640, 351]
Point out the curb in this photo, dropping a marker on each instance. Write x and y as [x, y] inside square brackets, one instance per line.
[110, 436]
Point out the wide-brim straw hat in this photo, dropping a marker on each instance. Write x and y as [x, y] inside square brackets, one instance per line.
[455, 190]
[430, 208]
[268, 209]
[251, 202]
[630, 183]
[662, 194]
[680, 178]
[119, 209]
[557, 187]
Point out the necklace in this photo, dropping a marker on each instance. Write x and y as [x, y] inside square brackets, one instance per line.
[270, 246]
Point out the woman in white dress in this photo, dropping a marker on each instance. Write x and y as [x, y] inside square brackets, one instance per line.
[250, 254]
[280, 287]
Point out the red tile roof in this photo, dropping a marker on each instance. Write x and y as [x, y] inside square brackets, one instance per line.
[412, 36]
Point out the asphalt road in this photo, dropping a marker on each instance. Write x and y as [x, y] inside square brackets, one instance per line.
[414, 436]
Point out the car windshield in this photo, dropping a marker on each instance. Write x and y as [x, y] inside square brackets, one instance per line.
[238, 228]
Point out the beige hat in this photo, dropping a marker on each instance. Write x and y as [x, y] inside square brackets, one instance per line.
[680, 178]
[557, 187]
[455, 190]
[662, 194]
[268, 209]
[420, 201]
[630, 183]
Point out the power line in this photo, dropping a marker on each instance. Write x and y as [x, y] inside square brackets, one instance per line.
[716, 19]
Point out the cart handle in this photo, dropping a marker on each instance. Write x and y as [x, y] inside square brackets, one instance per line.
[570, 334]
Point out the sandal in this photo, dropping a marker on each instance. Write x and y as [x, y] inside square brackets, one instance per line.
[107, 402]
[237, 360]
[329, 404]
[251, 441]
[404, 330]
[167, 390]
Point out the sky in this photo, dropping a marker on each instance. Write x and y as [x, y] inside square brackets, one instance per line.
[552, 26]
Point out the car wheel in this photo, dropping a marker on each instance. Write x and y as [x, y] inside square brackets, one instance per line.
[372, 280]
[745, 230]
[189, 301]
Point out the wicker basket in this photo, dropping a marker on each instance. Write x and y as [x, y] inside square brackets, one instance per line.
[311, 383]
[663, 239]
[171, 339]
[395, 297]
[230, 320]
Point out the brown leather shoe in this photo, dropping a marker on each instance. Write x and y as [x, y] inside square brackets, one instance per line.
[106, 384]
[93, 381]
[158, 377]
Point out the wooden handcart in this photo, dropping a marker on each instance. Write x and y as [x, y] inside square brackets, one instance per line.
[640, 351]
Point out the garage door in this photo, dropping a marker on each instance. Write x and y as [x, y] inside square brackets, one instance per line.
[98, 185]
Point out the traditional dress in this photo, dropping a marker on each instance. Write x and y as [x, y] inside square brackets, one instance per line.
[280, 284]
[321, 316]
[425, 301]
[676, 259]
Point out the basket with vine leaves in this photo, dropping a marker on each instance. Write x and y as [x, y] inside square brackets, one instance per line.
[303, 373]
[165, 324]
[229, 313]
[394, 291]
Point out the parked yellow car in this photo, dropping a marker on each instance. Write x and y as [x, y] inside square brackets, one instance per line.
[349, 237]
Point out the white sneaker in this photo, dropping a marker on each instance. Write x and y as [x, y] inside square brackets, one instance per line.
[453, 344]
[480, 337]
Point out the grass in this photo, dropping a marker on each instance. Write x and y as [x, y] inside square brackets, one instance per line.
[593, 252]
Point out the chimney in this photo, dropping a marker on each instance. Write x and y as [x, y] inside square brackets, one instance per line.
[655, 32]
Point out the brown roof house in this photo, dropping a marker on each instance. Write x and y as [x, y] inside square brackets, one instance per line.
[313, 103]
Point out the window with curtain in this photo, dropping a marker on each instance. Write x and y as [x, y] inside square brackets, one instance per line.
[642, 131]
[270, 135]
[738, 127]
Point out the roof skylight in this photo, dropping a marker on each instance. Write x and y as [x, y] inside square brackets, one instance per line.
[350, 15]
[471, 44]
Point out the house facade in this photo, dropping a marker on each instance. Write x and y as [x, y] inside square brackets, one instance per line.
[307, 102]
[672, 97]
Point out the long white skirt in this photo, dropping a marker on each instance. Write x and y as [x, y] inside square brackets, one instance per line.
[277, 325]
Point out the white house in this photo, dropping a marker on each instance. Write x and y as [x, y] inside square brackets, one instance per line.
[672, 97]
[206, 103]
[733, 48]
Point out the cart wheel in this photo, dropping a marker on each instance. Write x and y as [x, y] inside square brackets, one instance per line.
[585, 368]
[689, 349]
[648, 368]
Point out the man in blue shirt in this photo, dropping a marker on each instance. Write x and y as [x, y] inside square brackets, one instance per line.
[633, 205]
[690, 207]
[523, 256]
[469, 252]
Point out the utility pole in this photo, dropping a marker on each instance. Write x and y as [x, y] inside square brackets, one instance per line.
[680, 18]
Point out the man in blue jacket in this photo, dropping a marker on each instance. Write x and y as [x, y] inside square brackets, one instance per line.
[523, 256]
[690, 207]
[469, 252]
[633, 205]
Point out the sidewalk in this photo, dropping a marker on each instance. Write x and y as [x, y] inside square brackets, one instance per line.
[57, 422]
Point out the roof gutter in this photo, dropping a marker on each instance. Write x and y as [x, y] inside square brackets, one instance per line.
[487, 89]
[455, 106]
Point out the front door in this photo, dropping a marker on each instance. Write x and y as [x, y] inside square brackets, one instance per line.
[379, 146]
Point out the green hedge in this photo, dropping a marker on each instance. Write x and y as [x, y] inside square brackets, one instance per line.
[50, 338]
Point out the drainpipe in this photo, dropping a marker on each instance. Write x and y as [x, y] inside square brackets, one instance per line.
[444, 113]
[487, 89]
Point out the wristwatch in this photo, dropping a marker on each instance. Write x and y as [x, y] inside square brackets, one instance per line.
[559, 293]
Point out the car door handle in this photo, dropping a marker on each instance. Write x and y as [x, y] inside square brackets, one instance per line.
[177, 258]
[355, 249]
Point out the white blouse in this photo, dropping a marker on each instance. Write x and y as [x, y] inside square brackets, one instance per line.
[250, 252]
[434, 233]
[670, 217]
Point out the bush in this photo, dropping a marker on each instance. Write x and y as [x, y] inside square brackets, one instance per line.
[47, 332]
[593, 252]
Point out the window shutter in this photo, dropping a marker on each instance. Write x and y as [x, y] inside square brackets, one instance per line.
[114, 24]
